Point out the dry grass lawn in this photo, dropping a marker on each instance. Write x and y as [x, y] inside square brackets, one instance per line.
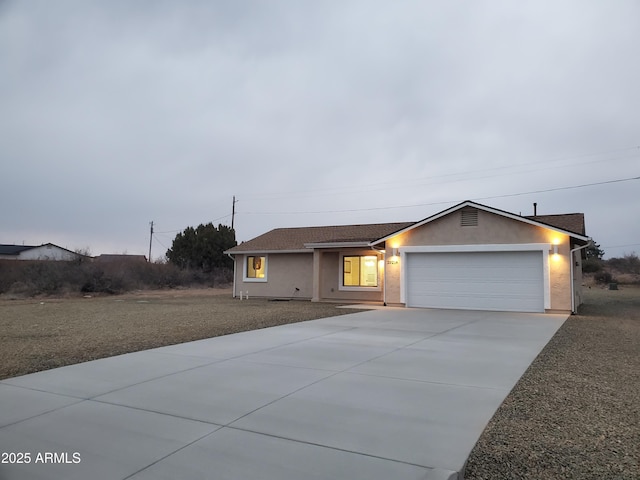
[39, 334]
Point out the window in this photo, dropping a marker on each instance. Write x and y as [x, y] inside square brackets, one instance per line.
[256, 268]
[360, 271]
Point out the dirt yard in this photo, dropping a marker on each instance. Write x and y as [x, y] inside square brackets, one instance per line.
[44, 333]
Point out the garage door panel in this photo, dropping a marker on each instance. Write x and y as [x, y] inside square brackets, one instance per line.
[510, 281]
[477, 302]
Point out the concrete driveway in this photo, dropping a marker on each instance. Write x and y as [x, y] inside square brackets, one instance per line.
[388, 393]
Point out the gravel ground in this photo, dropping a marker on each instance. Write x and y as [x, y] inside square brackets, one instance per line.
[575, 413]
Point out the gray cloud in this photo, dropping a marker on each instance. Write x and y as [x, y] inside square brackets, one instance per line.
[114, 114]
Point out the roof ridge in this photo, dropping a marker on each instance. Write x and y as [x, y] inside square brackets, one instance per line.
[348, 225]
[553, 214]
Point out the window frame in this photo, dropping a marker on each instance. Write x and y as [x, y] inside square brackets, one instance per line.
[245, 266]
[359, 288]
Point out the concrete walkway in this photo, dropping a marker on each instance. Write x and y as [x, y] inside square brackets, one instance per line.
[389, 393]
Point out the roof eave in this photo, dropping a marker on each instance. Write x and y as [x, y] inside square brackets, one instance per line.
[264, 251]
[503, 213]
[337, 244]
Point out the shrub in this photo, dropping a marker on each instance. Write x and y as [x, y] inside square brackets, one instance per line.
[98, 280]
[603, 277]
[9, 275]
[628, 279]
[46, 277]
[31, 278]
[591, 265]
[630, 263]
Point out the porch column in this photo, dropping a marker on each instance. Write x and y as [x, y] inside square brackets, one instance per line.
[317, 256]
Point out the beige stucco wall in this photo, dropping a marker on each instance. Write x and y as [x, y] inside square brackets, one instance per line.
[285, 273]
[491, 229]
[560, 276]
[392, 276]
[577, 277]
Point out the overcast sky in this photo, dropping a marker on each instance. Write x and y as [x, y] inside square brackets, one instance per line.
[117, 113]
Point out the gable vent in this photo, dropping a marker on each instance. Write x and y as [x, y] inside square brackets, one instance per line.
[469, 217]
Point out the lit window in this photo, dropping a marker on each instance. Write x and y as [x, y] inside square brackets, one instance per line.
[256, 267]
[360, 271]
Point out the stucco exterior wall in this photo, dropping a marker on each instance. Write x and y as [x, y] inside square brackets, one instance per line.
[392, 275]
[560, 277]
[285, 273]
[491, 229]
[577, 278]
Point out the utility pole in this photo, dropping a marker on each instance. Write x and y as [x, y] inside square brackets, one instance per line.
[150, 240]
[233, 211]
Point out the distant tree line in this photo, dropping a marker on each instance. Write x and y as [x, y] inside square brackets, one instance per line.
[203, 247]
[196, 258]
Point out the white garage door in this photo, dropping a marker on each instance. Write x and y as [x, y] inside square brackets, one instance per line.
[508, 281]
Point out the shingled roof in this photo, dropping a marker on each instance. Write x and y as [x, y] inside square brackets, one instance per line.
[13, 249]
[292, 239]
[571, 222]
[302, 238]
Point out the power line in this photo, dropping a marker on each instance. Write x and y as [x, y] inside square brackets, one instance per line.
[220, 218]
[435, 178]
[622, 246]
[563, 188]
[443, 202]
[162, 244]
[176, 231]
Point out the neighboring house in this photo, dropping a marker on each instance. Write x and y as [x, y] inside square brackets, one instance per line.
[117, 258]
[47, 251]
[469, 256]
